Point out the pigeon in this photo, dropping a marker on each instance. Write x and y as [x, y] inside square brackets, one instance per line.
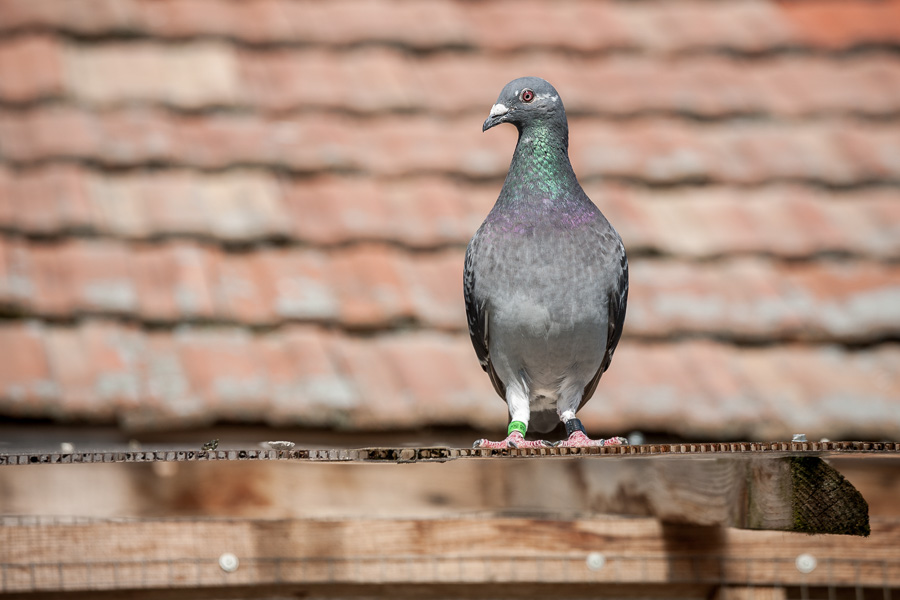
[546, 278]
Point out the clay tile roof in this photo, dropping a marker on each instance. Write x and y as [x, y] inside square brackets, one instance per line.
[256, 211]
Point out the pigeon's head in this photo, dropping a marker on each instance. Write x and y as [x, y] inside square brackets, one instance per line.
[524, 101]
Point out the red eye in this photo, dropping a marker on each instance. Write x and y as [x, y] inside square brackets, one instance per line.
[527, 95]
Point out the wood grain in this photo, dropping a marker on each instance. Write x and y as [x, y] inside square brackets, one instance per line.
[46, 555]
[699, 490]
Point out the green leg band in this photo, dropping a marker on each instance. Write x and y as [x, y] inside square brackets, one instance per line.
[516, 426]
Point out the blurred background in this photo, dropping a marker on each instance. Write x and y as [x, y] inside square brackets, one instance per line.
[224, 214]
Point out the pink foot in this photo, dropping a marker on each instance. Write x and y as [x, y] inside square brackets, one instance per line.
[513, 440]
[578, 439]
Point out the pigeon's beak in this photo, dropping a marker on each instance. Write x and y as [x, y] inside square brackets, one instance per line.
[498, 115]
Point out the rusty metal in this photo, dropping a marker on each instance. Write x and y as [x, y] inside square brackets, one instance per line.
[443, 454]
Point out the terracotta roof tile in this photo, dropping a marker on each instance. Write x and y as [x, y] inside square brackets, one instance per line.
[190, 76]
[420, 212]
[843, 24]
[373, 286]
[662, 151]
[174, 282]
[370, 287]
[298, 285]
[27, 383]
[745, 26]
[308, 385]
[257, 210]
[32, 68]
[383, 402]
[756, 299]
[95, 369]
[778, 393]
[425, 212]
[46, 201]
[222, 369]
[167, 396]
[239, 289]
[307, 376]
[206, 74]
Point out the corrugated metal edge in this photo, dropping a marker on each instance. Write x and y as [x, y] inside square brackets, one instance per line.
[442, 454]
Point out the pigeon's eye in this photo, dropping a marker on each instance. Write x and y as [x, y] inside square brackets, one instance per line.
[527, 95]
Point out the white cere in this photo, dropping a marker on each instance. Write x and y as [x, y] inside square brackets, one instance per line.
[499, 109]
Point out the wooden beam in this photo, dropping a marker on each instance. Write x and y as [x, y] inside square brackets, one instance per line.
[761, 493]
[783, 494]
[412, 591]
[59, 554]
[750, 593]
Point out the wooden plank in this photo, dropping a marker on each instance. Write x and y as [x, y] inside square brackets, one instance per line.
[750, 593]
[716, 491]
[52, 554]
[412, 591]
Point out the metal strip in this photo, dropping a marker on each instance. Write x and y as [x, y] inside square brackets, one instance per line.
[443, 454]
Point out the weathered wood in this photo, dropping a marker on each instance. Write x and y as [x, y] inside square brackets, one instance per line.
[823, 501]
[47, 555]
[412, 591]
[781, 494]
[738, 492]
[750, 593]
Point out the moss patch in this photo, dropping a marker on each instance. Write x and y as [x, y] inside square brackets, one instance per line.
[823, 501]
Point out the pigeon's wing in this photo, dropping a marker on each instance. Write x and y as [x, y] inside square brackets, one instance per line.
[477, 317]
[618, 299]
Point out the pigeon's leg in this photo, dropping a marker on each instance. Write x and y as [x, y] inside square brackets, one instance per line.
[519, 413]
[577, 436]
[515, 439]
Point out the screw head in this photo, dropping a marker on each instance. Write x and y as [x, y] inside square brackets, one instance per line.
[806, 563]
[229, 562]
[595, 561]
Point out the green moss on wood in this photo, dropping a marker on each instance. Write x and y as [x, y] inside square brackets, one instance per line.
[823, 501]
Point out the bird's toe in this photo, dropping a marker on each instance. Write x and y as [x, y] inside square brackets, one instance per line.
[578, 439]
[513, 440]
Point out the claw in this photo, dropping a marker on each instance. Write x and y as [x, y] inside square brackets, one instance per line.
[513, 440]
[578, 439]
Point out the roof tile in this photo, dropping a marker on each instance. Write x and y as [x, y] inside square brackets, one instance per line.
[239, 287]
[223, 370]
[779, 391]
[376, 286]
[32, 69]
[190, 76]
[304, 375]
[45, 201]
[168, 396]
[308, 386]
[101, 274]
[743, 26]
[843, 24]
[298, 285]
[250, 205]
[95, 369]
[369, 285]
[174, 282]
[27, 384]
[661, 151]
[420, 212]
[383, 401]
[434, 284]
[433, 374]
[757, 299]
[67, 279]
[257, 210]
